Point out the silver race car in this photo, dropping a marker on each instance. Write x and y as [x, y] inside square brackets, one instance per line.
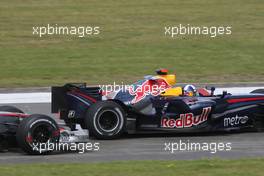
[36, 133]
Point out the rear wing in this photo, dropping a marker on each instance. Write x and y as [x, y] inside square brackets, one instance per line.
[59, 99]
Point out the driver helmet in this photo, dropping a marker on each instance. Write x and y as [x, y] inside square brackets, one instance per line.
[189, 90]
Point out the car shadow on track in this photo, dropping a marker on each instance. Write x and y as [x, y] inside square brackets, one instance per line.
[167, 135]
[18, 151]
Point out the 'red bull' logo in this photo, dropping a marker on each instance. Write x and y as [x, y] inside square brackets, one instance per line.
[149, 87]
[186, 120]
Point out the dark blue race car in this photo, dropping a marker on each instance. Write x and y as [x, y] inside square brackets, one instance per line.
[141, 108]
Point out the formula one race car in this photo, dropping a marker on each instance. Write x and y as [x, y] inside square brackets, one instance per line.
[30, 131]
[154, 104]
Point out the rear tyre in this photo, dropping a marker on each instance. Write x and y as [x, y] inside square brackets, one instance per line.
[5, 141]
[3, 144]
[10, 109]
[37, 134]
[105, 120]
[258, 123]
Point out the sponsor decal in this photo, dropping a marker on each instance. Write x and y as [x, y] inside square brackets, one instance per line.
[233, 121]
[148, 88]
[186, 120]
[71, 114]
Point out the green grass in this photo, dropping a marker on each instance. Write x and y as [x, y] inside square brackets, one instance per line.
[132, 41]
[249, 167]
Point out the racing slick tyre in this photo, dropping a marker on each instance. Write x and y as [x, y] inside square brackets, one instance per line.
[10, 109]
[4, 141]
[258, 122]
[105, 120]
[37, 134]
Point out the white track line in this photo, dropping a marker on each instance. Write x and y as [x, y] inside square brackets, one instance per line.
[237, 90]
[41, 97]
[25, 98]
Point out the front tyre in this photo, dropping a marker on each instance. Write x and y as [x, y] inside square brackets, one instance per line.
[37, 134]
[105, 120]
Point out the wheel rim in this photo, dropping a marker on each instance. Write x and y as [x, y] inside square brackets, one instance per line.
[41, 133]
[108, 120]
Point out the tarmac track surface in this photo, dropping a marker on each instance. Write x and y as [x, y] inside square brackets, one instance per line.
[144, 147]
